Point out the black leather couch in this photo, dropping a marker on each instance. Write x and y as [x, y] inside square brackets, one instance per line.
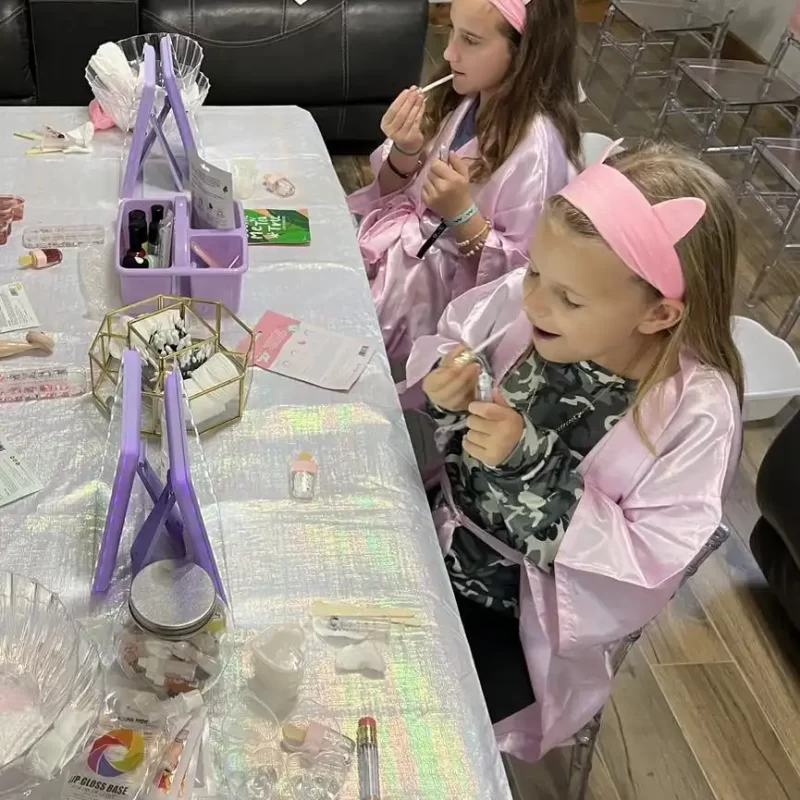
[343, 60]
[775, 540]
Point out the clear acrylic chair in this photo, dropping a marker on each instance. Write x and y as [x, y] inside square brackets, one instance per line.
[782, 158]
[583, 744]
[594, 146]
[659, 25]
[734, 87]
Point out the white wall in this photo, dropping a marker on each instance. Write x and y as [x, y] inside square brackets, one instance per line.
[760, 24]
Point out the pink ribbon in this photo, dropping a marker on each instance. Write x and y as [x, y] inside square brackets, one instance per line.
[513, 11]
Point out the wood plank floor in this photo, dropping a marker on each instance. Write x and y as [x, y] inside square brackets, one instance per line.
[707, 706]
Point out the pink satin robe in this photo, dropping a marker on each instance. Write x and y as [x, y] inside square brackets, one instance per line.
[410, 294]
[641, 521]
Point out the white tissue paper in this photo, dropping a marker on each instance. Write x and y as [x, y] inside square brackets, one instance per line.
[362, 657]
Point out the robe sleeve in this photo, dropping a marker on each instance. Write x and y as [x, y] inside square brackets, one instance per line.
[469, 319]
[620, 562]
[516, 199]
[362, 201]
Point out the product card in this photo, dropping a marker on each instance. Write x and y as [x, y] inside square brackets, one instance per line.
[271, 226]
[16, 312]
[307, 353]
[212, 198]
[16, 480]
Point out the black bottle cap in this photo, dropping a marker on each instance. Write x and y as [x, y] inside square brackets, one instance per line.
[135, 237]
[156, 214]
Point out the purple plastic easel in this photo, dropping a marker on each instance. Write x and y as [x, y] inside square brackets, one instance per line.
[174, 528]
[150, 126]
[186, 276]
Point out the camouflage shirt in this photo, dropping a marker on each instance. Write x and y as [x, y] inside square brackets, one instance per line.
[527, 502]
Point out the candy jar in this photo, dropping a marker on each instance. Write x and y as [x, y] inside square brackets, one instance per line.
[174, 635]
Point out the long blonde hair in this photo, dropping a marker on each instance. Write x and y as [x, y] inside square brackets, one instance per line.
[708, 255]
[540, 80]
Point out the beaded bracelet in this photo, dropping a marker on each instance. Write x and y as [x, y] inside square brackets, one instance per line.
[474, 250]
[476, 243]
[469, 242]
[462, 218]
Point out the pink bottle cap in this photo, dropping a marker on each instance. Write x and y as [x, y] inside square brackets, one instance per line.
[304, 463]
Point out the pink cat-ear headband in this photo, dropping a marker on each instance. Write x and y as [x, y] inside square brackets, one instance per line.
[643, 236]
[513, 11]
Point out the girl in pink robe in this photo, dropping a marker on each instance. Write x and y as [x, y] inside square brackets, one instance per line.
[640, 290]
[503, 137]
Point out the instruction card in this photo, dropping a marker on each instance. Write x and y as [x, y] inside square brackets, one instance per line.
[212, 199]
[16, 479]
[16, 312]
[310, 354]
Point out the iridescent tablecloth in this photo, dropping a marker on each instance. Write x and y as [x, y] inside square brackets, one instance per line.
[368, 536]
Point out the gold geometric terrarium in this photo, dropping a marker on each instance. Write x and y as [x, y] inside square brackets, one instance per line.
[211, 346]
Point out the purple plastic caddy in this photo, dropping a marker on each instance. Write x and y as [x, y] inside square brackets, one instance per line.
[186, 276]
[183, 534]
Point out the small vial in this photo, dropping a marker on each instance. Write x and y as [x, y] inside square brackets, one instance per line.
[371, 628]
[44, 236]
[485, 387]
[315, 738]
[41, 259]
[369, 781]
[303, 475]
[279, 185]
[42, 384]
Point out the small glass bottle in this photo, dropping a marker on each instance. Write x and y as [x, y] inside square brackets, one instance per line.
[485, 387]
[303, 476]
[41, 259]
[315, 738]
[279, 185]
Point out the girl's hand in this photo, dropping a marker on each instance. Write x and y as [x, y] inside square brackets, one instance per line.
[452, 386]
[495, 430]
[446, 192]
[401, 123]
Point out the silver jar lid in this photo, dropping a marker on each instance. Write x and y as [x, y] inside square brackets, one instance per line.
[172, 598]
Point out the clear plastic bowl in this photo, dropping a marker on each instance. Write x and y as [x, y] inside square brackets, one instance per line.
[39, 664]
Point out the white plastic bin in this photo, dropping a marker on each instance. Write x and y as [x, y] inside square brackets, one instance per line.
[771, 370]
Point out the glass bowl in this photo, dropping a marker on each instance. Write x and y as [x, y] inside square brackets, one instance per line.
[43, 762]
[122, 106]
[39, 664]
[187, 55]
[120, 100]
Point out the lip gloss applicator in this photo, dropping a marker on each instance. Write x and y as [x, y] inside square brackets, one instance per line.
[369, 781]
[426, 89]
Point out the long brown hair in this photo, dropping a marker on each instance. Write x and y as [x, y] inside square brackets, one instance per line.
[708, 255]
[540, 80]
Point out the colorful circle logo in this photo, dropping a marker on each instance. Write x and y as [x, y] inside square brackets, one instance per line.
[116, 752]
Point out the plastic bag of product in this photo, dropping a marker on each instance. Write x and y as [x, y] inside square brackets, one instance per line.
[174, 779]
[121, 757]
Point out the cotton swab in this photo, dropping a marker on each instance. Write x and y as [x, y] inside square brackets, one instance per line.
[433, 85]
